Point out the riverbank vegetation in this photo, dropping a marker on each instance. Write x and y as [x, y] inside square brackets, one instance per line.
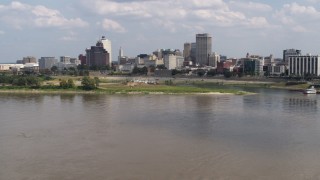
[68, 84]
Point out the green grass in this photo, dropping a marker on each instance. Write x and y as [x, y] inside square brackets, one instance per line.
[145, 89]
[118, 88]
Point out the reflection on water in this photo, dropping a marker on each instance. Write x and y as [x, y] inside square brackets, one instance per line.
[270, 135]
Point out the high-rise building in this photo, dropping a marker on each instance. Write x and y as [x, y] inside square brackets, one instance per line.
[107, 46]
[204, 48]
[120, 55]
[98, 55]
[214, 58]
[186, 50]
[290, 52]
[46, 62]
[193, 52]
[83, 59]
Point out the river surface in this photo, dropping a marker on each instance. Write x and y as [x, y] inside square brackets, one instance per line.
[272, 135]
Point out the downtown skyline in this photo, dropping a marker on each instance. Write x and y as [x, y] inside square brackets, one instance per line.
[52, 28]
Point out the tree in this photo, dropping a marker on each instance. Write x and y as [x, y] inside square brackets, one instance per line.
[63, 84]
[144, 70]
[71, 83]
[97, 81]
[54, 69]
[227, 74]
[152, 68]
[88, 83]
[161, 66]
[211, 72]
[201, 73]
[66, 84]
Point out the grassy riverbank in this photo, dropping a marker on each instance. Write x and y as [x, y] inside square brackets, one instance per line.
[123, 89]
[123, 85]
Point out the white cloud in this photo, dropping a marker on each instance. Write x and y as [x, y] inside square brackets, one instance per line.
[258, 22]
[2, 32]
[110, 25]
[44, 12]
[19, 15]
[170, 14]
[298, 18]
[299, 28]
[218, 4]
[19, 6]
[252, 6]
[296, 9]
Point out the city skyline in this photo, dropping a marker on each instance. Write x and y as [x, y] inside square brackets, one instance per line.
[52, 28]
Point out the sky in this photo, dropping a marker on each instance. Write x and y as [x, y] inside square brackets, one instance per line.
[67, 27]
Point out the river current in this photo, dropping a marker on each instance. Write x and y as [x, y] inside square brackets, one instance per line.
[274, 134]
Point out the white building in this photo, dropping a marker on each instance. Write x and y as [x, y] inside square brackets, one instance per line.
[7, 67]
[277, 69]
[126, 67]
[172, 61]
[65, 59]
[214, 58]
[302, 65]
[107, 46]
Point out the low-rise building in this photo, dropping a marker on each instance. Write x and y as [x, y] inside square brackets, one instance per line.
[9, 67]
[126, 67]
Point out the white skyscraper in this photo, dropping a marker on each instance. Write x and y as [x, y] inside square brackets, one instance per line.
[107, 46]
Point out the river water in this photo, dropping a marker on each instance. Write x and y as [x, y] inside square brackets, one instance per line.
[274, 134]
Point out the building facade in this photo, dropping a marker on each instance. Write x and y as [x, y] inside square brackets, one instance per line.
[186, 51]
[29, 59]
[214, 58]
[302, 65]
[253, 65]
[97, 56]
[106, 43]
[203, 48]
[290, 52]
[172, 61]
[83, 59]
[47, 62]
[193, 52]
[65, 59]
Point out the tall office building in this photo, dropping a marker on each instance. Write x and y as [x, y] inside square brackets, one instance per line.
[193, 52]
[120, 54]
[186, 50]
[107, 46]
[214, 58]
[204, 48]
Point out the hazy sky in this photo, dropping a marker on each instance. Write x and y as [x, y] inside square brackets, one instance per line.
[66, 27]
